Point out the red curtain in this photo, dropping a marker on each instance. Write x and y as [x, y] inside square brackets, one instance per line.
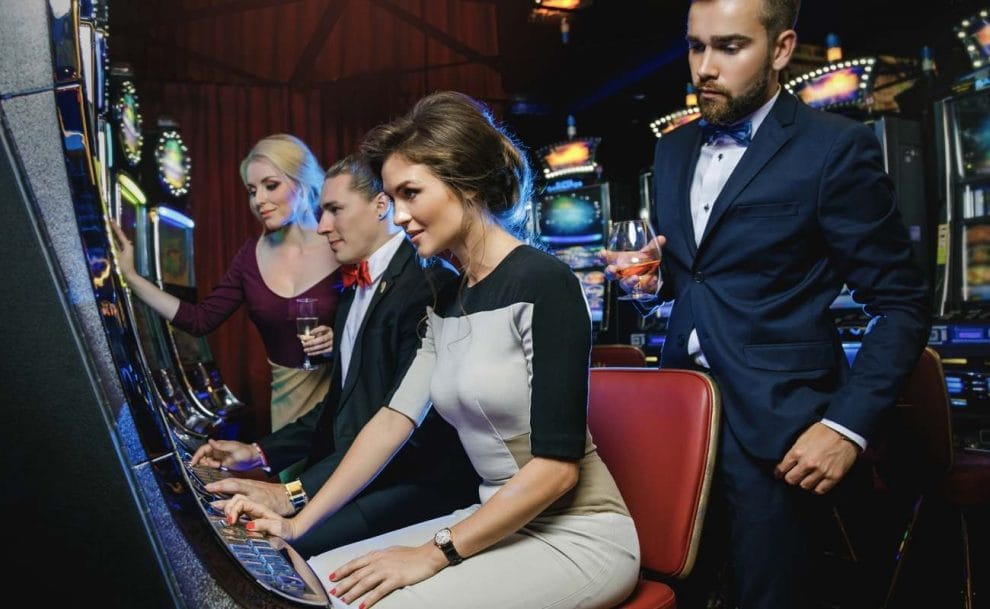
[373, 68]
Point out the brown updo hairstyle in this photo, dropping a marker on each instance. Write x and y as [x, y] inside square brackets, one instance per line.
[455, 137]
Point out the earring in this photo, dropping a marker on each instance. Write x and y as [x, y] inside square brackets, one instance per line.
[381, 216]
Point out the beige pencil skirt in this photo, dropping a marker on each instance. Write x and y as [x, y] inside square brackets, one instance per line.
[296, 391]
[561, 562]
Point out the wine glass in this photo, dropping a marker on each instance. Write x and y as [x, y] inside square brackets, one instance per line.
[306, 320]
[636, 258]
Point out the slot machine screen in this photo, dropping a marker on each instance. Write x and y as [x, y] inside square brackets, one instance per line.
[133, 220]
[972, 115]
[574, 224]
[840, 87]
[976, 263]
[175, 248]
[975, 35]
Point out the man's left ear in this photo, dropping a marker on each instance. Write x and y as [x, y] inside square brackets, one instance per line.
[784, 49]
[383, 203]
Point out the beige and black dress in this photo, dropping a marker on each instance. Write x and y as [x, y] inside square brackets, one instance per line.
[506, 363]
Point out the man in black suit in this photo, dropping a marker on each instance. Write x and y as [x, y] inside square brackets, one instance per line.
[767, 208]
[376, 335]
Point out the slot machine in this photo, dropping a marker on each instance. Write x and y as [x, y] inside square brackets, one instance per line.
[100, 474]
[190, 420]
[571, 218]
[168, 174]
[961, 331]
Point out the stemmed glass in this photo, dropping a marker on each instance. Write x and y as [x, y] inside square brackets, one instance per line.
[636, 258]
[306, 321]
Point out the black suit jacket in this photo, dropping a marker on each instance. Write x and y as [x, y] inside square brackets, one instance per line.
[383, 349]
[807, 208]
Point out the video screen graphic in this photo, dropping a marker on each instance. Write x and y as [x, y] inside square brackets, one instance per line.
[573, 223]
[175, 250]
[976, 263]
[836, 88]
[972, 116]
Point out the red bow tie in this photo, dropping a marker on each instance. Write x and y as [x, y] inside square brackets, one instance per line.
[356, 274]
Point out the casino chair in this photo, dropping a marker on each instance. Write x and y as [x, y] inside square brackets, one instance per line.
[657, 431]
[617, 356]
[914, 454]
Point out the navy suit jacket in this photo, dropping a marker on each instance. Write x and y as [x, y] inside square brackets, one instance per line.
[807, 208]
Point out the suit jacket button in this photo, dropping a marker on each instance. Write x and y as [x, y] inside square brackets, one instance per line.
[699, 278]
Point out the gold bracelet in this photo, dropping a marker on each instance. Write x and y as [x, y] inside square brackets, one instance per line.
[297, 494]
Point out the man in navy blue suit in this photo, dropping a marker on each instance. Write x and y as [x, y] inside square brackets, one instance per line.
[766, 208]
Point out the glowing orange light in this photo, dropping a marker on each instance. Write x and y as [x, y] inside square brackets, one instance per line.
[834, 85]
[564, 5]
[573, 153]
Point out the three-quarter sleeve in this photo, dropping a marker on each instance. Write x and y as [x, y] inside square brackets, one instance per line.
[557, 341]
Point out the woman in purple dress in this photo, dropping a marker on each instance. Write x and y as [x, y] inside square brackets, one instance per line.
[288, 261]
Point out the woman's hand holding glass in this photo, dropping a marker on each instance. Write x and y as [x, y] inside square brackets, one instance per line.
[633, 258]
[319, 341]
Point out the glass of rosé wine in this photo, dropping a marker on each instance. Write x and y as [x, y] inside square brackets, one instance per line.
[636, 257]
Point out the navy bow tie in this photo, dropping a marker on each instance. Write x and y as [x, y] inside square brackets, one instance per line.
[742, 132]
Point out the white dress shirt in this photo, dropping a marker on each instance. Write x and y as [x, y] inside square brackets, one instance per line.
[377, 263]
[716, 163]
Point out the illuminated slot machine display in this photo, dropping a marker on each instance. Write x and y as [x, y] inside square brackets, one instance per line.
[865, 89]
[141, 530]
[961, 331]
[571, 217]
[189, 420]
[168, 171]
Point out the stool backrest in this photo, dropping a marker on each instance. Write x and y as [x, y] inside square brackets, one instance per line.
[657, 431]
[617, 356]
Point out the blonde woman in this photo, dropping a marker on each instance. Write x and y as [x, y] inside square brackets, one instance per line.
[289, 260]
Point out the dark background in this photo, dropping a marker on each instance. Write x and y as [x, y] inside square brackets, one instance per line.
[233, 71]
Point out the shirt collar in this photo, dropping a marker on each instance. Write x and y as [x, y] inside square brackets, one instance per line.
[379, 261]
[761, 113]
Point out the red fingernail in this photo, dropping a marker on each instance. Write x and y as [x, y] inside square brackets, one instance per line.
[231, 519]
[362, 606]
[249, 526]
[333, 591]
[333, 575]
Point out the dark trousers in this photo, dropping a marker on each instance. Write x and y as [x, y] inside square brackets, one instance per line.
[764, 540]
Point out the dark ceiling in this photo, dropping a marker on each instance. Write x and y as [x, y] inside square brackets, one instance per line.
[623, 66]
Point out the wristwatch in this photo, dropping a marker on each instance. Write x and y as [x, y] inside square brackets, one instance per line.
[297, 494]
[441, 539]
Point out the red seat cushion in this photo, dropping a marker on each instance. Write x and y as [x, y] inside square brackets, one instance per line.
[650, 595]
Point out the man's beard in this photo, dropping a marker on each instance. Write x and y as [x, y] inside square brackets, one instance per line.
[730, 109]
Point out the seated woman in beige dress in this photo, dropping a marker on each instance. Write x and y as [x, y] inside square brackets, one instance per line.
[504, 360]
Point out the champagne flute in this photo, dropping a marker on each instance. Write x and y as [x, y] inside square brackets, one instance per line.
[306, 321]
[636, 258]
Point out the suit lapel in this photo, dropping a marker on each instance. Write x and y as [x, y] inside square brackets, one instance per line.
[339, 321]
[770, 137]
[682, 195]
[395, 267]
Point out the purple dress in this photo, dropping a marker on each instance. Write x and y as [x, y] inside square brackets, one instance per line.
[273, 315]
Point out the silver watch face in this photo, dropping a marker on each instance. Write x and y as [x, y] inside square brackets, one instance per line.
[442, 537]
